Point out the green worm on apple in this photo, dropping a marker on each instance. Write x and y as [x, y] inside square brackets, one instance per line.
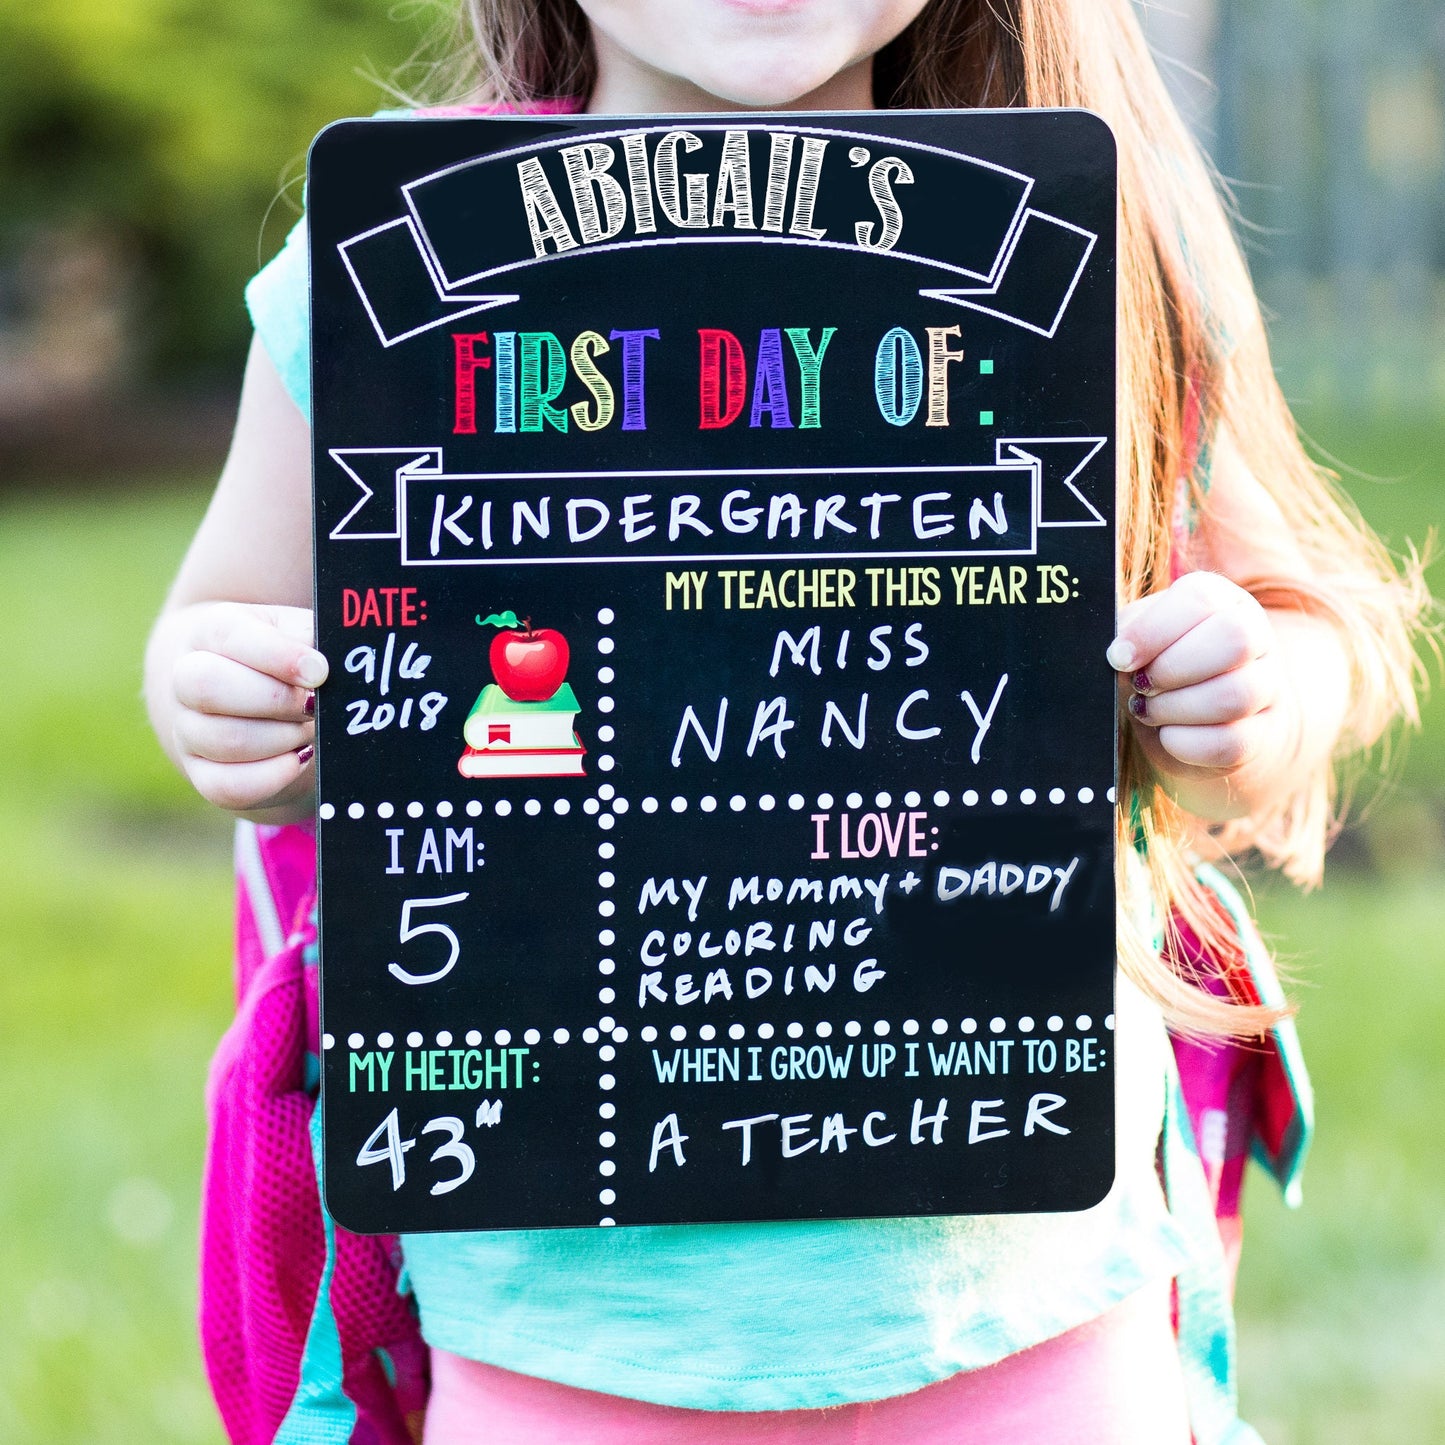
[529, 664]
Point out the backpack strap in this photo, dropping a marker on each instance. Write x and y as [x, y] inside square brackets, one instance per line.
[275, 887]
[1241, 1099]
[320, 1412]
[1204, 1321]
[1284, 1114]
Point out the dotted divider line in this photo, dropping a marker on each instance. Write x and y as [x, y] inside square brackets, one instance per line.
[606, 994]
[446, 1039]
[605, 1038]
[607, 805]
[608, 1033]
[855, 1028]
[606, 704]
[606, 967]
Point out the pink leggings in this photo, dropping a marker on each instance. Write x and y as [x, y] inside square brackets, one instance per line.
[1113, 1381]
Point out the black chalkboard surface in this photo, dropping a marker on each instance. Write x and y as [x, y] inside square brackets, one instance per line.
[714, 551]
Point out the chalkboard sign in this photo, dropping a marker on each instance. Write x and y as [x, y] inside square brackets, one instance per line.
[714, 552]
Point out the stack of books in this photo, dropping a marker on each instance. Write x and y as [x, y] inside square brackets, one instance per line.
[507, 739]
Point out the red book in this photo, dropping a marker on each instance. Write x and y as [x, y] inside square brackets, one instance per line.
[523, 762]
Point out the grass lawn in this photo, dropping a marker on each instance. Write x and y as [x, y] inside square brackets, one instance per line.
[1340, 1320]
[114, 986]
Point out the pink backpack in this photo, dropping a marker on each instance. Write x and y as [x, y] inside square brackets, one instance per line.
[304, 1333]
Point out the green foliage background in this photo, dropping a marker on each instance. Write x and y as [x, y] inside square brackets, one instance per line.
[174, 125]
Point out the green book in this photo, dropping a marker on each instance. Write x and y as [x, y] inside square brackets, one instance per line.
[496, 721]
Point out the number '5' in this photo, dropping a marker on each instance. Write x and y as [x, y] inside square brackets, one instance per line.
[410, 930]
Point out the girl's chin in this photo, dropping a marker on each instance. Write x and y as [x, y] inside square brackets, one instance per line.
[746, 97]
[759, 87]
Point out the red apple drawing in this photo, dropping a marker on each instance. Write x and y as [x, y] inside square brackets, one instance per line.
[529, 664]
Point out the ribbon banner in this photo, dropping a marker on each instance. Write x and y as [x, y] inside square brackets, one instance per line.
[456, 519]
[471, 231]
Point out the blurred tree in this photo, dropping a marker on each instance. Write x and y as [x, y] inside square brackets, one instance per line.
[168, 128]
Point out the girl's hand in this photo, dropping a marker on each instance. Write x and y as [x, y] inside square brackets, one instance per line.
[243, 680]
[1204, 687]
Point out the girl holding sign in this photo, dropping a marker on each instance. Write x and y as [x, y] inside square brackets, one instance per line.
[1265, 635]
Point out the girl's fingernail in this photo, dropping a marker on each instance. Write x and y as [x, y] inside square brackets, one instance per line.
[304, 755]
[309, 706]
[1120, 655]
[1141, 681]
[1137, 705]
[311, 670]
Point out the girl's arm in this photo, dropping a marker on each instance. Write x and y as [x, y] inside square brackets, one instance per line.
[1237, 703]
[230, 666]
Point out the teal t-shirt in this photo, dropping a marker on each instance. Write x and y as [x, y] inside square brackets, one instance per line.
[279, 300]
[786, 1315]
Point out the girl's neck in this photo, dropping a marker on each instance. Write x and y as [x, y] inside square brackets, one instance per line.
[627, 85]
